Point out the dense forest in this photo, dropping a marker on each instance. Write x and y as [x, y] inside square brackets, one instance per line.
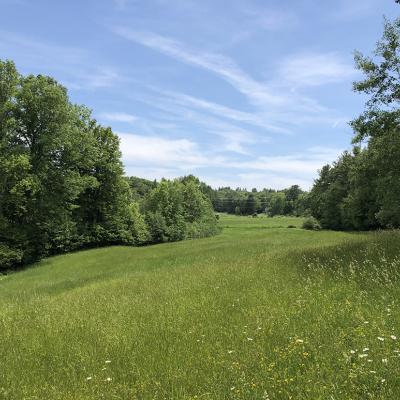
[62, 181]
[361, 190]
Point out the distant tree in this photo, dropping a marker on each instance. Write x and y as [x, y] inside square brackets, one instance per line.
[277, 204]
[251, 204]
[140, 187]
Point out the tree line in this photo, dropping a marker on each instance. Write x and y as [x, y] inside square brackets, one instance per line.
[361, 190]
[62, 184]
[291, 201]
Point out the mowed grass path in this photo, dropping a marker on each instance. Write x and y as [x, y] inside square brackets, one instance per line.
[258, 312]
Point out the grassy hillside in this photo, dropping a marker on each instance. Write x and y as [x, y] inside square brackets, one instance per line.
[258, 312]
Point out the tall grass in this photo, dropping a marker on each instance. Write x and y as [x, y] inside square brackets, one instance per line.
[258, 312]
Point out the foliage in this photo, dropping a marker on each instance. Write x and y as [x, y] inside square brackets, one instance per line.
[62, 184]
[178, 209]
[291, 201]
[310, 224]
[361, 190]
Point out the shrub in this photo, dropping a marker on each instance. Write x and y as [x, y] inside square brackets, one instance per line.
[9, 257]
[292, 226]
[311, 224]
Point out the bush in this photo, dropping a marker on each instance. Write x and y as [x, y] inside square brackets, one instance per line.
[292, 226]
[9, 257]
[311, 224]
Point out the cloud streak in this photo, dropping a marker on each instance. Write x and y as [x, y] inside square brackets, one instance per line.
[117, 117]
[220, 65]
[314, 69]
[176, 157]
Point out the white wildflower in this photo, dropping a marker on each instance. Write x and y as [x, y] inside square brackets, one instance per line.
[393, 337]
[108, 379]
[107, 361]
[381, 338]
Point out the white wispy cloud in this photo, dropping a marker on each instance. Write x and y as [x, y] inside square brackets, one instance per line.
[35, 53]
[161, 152]
[224, 67]
[268, 18]
[155, 156]
[253, 118]
[101, 78]
[262, 180]
[117, 117]
[276, 106]
[75, 65]
[316, 69]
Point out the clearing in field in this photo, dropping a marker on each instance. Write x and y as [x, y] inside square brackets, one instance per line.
[260, 311]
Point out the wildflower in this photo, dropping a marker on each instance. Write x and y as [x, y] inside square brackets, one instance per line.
[108, 379]
[230, 351]
[299, 341]
[383, 380]
[89, 378]
[250, 339]
[384, 360]
[363, 355]
[107, 361]
[352, 352]
[365, 349]
[393, 337]
[373, 372]
[381, 338]
[366, 322]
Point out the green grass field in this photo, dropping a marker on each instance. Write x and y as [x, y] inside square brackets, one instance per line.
[258, 312]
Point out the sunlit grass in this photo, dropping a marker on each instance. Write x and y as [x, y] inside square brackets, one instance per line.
[258, 312]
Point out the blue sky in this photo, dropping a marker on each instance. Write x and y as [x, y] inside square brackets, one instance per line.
[242, 93]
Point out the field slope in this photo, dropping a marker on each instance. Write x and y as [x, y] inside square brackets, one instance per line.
[260, 311]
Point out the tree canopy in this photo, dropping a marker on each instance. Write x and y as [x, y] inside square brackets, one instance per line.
[62, 183]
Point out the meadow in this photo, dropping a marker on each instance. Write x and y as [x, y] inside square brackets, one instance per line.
[260, 311]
